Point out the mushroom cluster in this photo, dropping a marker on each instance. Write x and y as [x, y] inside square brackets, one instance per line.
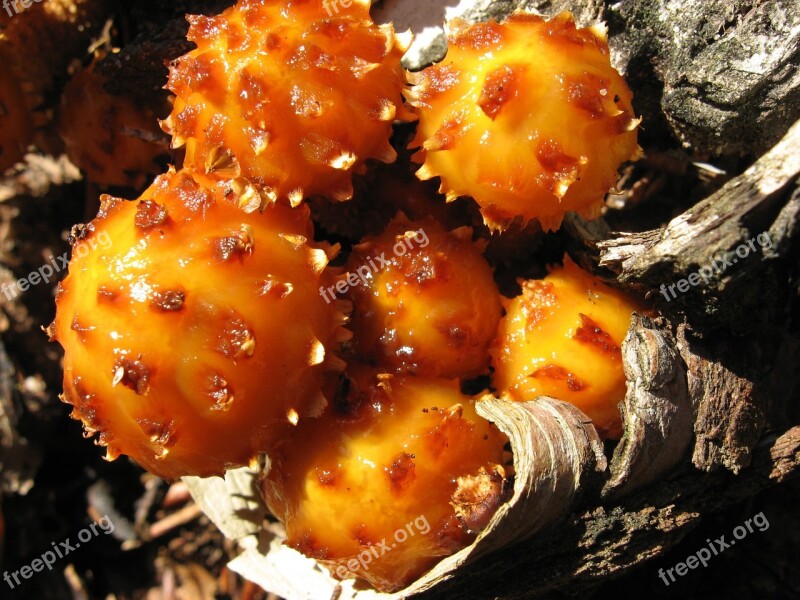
[283, 291]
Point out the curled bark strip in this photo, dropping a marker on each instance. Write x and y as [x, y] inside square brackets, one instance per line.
[584, 549]
[557, 457]
[657, 414]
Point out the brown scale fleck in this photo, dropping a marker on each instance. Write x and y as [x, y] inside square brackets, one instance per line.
[236, 339]
[553, 159]
[159, 432]
[192, 196]
[449, 134]
[168, 300]
[80, 328]
[458, 337]
[558, 373]
[545, 298]
[401, 472]
[562, 27]
[438, 438]
[203, 27]
[271, 286]
[186, 120]
[327, 477]
[253, 92]
[150, 214]
[305, 103]
[451, 535]
[107, 205]
[106, 295]
[585, 93]
[437, 80]
[424, 269]
[226, 247]
[215, 130]
[591, 333]
[334, 28]
[219, 391]
[363, 536]
[133, 374]
[500, 87]
[202, 74]
[272, 42]
[238, 39]
[480, 36]
[307, 544]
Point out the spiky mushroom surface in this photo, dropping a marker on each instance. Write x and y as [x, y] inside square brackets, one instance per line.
[562, 338]
[424, 300]
[288, 95]
[400, 473]
[112, 139]
[527, 116]
[173, 319]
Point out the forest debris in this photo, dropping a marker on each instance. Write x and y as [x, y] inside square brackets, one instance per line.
[730, 406]
[173, 520]
[19, 460]
[656, 411]
[742, 295]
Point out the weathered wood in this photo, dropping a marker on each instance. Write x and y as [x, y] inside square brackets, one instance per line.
[728, 399]
[656, 412]
[599, 542]
[756, 214]
[725, 74]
